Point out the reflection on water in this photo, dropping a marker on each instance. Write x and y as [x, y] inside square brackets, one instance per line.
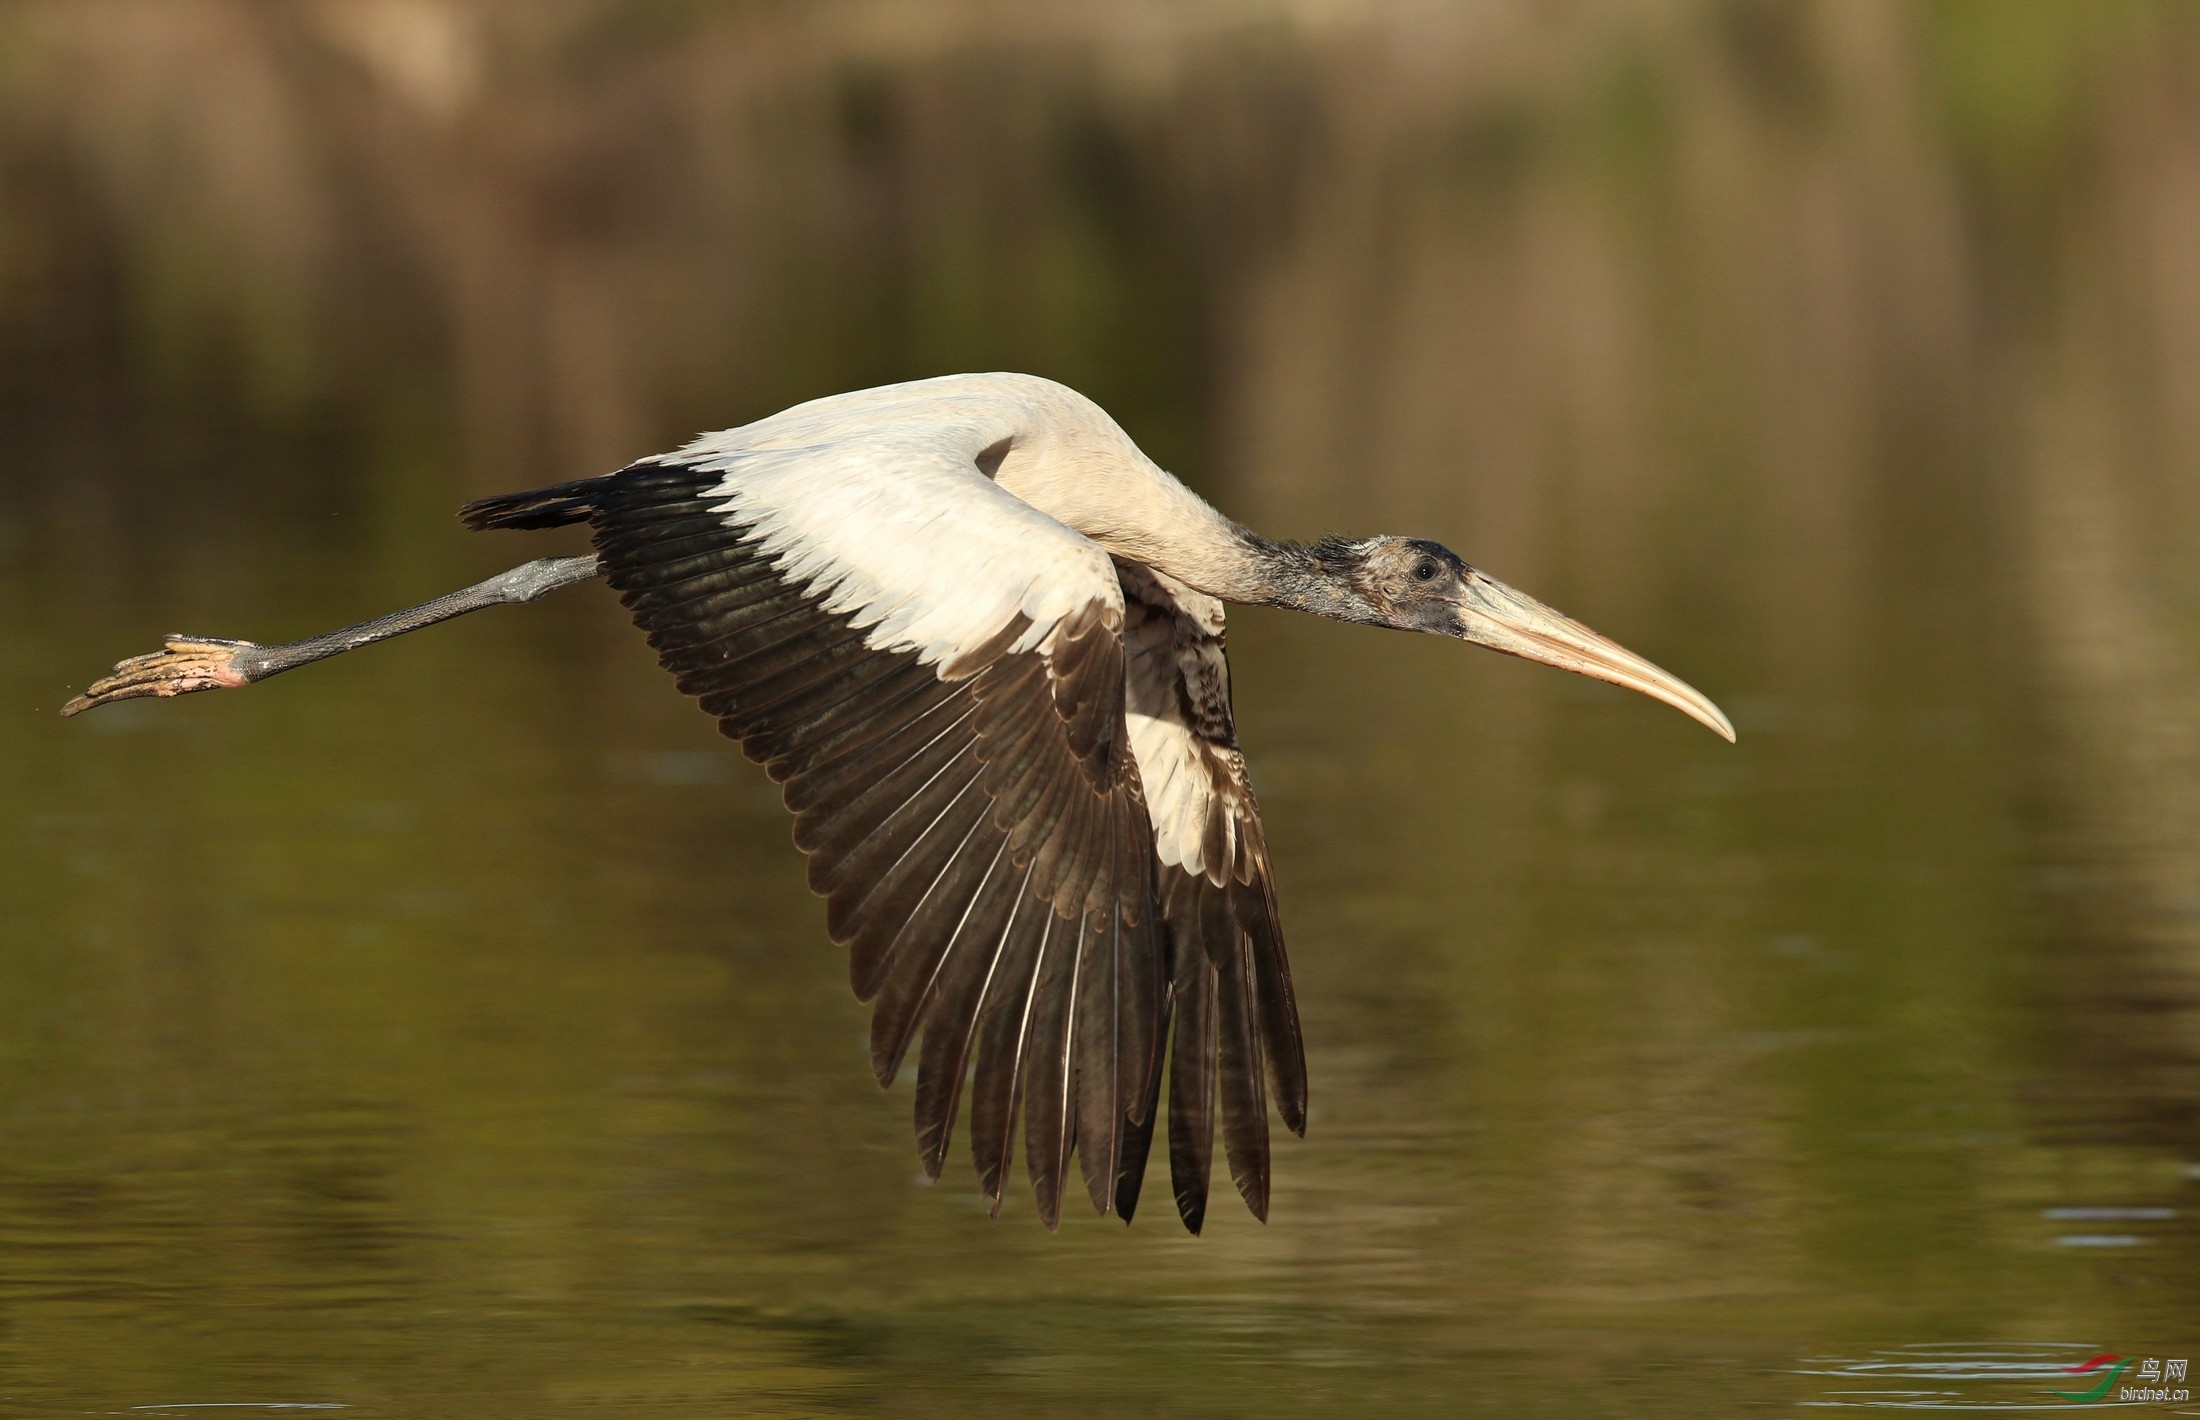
[447, 1030]
[1957, 1376]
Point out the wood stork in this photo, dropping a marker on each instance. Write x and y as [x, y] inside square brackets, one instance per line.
[978, 638]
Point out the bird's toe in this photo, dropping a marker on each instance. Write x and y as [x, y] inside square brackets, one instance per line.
[186, 664]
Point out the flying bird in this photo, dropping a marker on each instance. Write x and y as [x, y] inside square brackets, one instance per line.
[977, 637]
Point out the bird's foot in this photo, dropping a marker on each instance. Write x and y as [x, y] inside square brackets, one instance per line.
[188, 663]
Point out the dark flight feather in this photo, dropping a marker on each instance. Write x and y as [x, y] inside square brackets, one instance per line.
[977, 829]
[1234, 1039]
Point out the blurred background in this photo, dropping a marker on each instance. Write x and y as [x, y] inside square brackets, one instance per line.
[447, 1031]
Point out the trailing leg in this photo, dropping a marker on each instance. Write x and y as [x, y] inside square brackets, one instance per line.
[190, 663]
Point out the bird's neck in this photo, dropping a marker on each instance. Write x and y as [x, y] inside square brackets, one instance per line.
[1077, 466]
[1304, 578]
[1240, 565]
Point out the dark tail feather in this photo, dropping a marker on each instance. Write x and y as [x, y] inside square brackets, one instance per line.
[551, 507]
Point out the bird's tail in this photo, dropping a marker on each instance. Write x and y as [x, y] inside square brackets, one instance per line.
[551, 507]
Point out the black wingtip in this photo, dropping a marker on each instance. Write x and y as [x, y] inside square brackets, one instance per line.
[929, 1161]
[1250, 1173]
[1138, 1129]
[1128, 1182]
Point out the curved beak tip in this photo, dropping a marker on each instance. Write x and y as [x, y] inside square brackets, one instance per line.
[1505, 619]
[1646, 679]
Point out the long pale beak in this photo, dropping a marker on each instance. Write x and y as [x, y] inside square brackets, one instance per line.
[1494, 615]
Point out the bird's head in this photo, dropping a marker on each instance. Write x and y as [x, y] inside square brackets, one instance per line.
[1416, 585]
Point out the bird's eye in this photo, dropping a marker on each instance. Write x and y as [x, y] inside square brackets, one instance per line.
[1425, 570]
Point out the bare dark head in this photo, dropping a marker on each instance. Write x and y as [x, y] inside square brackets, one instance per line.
[1403, 582]
[1416, 585]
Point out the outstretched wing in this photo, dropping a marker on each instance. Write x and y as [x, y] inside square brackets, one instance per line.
[1235, 1022]
[934, 671]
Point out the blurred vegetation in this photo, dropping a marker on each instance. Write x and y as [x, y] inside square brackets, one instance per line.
[448, 1030]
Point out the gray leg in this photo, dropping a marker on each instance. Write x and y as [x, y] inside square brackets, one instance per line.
[204, 663]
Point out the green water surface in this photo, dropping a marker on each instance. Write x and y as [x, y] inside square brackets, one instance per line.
[447, 1030]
